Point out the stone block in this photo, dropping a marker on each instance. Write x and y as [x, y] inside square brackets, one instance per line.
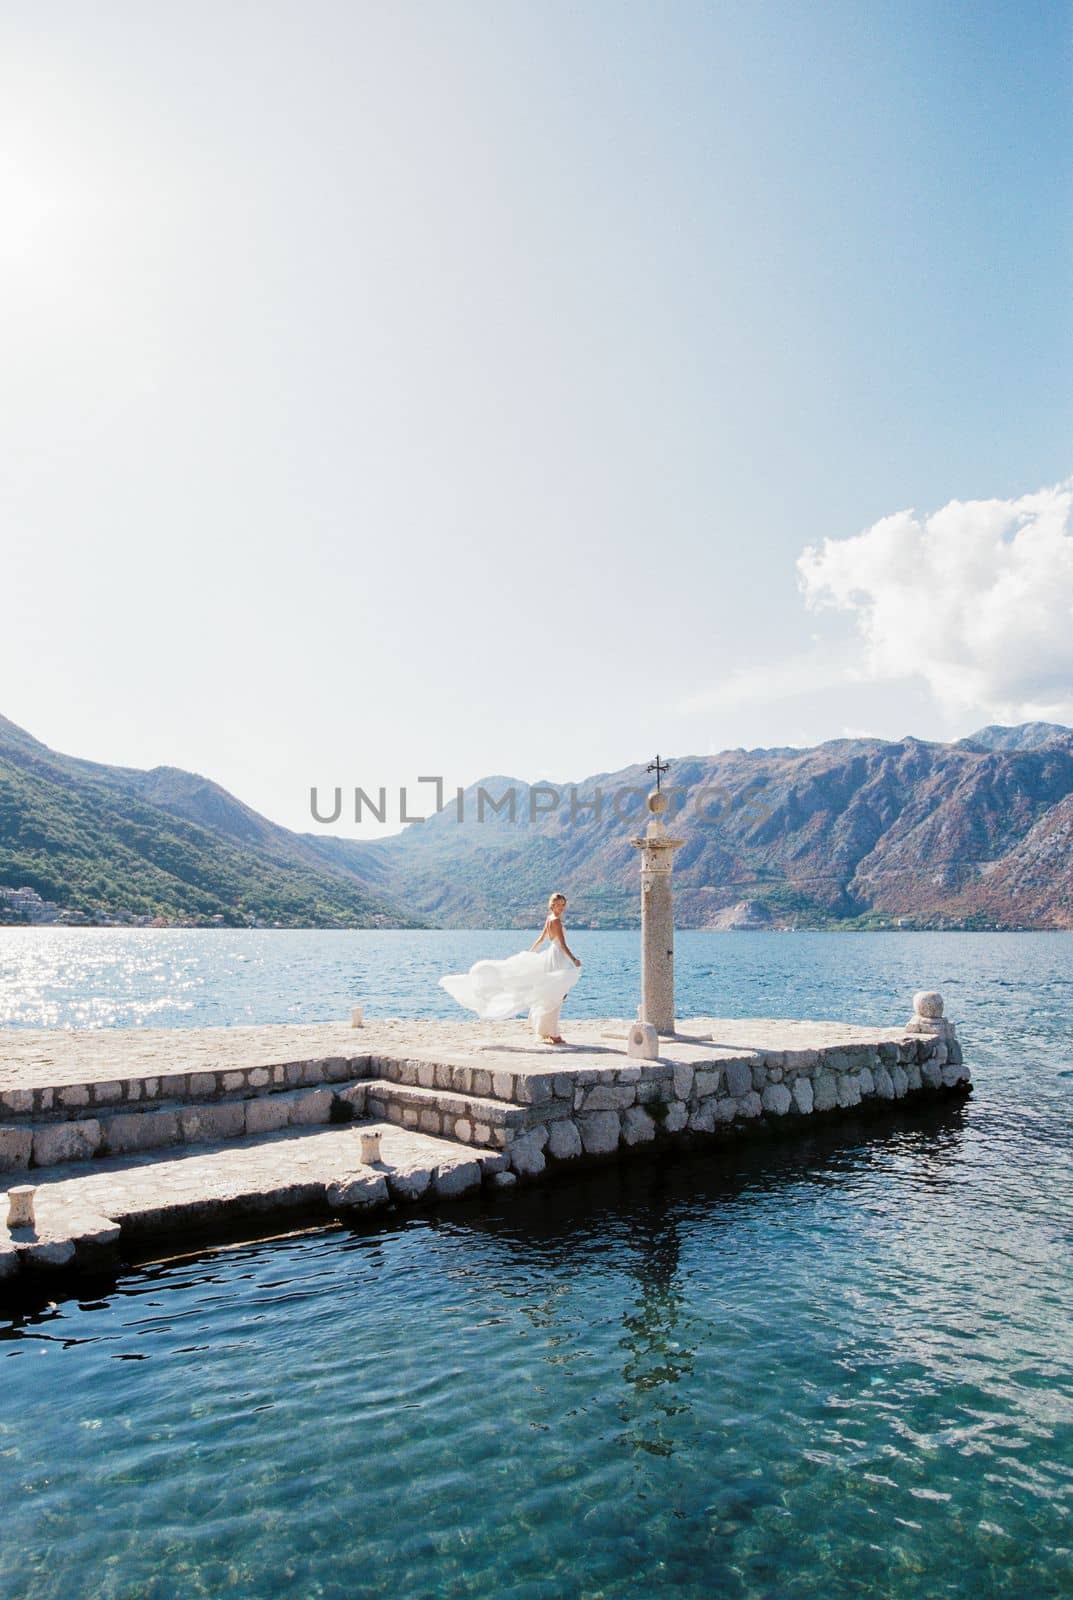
[203, 1083]
[564, 1140]
[884, 1083]
[463, 1130]
[526, 1157]
[724, 1109]
[429, 1121]
[408, 1184]
[683, 1080]
[140, 1130]
[599, 1132]
[234, 1081]
[900, 1079]
[482, 1133]
[868, 1082]
[706, 1081]
[776, 1099]
[849, 1090]
[74, 1095]
[426, 1074]
[504, 1180]
[16, 1145]
[258, 1078]
[267, 1114]
[702, 1116]
[20, 1102]
[802, 1095]
[642, 1041]
[739, 1078]
[954, 1053]
[953, 1075]
[801, 1060]
[292, 1073]
[482, 1083]
[409, 1116]
[750, 1105]
[931, 1074]
[912, 1077]
[609, 1097]
[503, 1085]
[359, 1192]
[677, 1117]
[824, 1091]
[311, 1107]
[67, 1141]
[759, 1077]
[226, 1121]
[531, 1089]
[637, 1126]
[442, 1076]
[458, 1179]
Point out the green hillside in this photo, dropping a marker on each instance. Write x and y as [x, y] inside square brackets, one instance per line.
[91, 839]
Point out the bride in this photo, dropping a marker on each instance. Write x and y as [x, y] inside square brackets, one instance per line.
[530, 981]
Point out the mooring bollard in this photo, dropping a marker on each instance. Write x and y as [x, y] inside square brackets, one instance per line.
[357, 1017]
[642, 1041]
[370, 1148]
[20, 1206]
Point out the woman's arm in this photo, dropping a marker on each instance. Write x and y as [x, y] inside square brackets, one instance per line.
[555, 931]
[541, 936]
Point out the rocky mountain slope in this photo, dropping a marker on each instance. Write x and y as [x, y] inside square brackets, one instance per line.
[860, 831]
[856, 832]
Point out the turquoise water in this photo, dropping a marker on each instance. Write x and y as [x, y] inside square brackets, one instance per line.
[838, 1366]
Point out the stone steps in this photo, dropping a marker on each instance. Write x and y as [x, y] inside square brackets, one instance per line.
[467, 1118]
[27, 1143]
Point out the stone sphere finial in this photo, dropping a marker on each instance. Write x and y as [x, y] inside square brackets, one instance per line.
[927, 1003]
[656, 802]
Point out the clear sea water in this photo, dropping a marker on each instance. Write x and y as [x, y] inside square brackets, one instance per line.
[838, 1365]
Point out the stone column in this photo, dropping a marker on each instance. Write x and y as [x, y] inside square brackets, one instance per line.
[657, 918]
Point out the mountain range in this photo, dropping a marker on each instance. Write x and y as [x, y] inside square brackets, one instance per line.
[855, 832]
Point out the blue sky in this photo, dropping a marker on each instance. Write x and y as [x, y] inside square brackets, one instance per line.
[401, 389]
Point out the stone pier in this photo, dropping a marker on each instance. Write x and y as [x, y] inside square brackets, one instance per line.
[137, 1135]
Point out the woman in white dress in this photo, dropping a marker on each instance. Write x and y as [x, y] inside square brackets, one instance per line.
[533, 980]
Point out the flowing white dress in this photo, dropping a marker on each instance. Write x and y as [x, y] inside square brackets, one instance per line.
[536, 981]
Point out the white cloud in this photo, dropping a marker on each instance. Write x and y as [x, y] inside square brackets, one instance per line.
[977, 599]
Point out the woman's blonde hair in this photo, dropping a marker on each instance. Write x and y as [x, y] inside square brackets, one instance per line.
[558, 895]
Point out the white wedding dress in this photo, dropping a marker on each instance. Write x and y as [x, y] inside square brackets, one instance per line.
[536, 981]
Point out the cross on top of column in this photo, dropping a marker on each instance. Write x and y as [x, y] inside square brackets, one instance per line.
[659, 768]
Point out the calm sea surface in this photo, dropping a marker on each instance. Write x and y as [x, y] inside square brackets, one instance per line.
[834, 1366]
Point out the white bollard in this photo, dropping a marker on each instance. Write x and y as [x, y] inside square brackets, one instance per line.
[357, 1017]
[370, 1148]
[928, 1016]
[20, 1206]
[643, 1041]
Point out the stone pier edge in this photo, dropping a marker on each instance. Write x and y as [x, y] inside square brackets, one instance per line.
[539, 1123]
